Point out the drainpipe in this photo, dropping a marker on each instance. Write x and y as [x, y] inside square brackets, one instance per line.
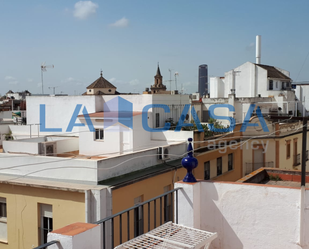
[302, 216]
[88, 206]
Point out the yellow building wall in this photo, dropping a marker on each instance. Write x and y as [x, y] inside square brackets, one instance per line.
[248, 150]
[232, 175]
[276, 151]
[23, 212]
[287, 163]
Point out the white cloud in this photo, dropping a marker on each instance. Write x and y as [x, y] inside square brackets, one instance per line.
[9, 78]
[121, 23]
[111, 80]
[84, 9]
[251, 46]
[70, 79]
[29, 80]
[134, 82]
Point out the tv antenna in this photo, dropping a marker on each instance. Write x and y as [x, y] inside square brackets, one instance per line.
[53, 87]
[43, 69]
[176, 74]
[170, 79]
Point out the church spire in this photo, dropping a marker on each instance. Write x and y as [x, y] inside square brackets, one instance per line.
[158, 71]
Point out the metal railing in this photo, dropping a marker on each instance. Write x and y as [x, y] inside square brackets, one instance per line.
[250, 167]
[47, 244]
[138, 221]
[288, 88]
[296, 160]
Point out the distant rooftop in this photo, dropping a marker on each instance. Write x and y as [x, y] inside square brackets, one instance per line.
[273, 72]
[277, 177]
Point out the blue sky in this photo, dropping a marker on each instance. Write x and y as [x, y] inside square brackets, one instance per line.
[126, 39]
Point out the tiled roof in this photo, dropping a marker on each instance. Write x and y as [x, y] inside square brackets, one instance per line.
[101, 83]
[272, 72]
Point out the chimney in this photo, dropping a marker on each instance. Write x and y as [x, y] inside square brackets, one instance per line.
[258, 49]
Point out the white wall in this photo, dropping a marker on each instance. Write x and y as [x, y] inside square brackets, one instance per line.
[141, 137]
[4, 129]
[27, 131]
[59, 109]
[124, 164]
[216, 87]
[108, 146]
[20, 147]
[139, 101]
[73, 169]
[244, 215]
[5, 114]
[67, 145]
[172, 135]
[302, 94]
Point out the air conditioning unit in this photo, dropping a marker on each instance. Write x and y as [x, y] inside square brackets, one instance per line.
[163, 153]
[48, 149]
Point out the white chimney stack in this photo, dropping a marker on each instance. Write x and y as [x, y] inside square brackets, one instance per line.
[258, 49]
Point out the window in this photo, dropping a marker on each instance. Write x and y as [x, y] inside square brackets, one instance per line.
[207, 170]
[288, 149]
[3, 220]
[271, 85]
[99, 134]
[295, 146]
[219, 166]
[157, 120]
[138, 217]
[276, 84]
[46, 221]
[90, 91]
[167, 204]
[230, 161]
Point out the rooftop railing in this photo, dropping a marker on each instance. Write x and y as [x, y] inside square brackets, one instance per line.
[44, 246]
[250, 167]
[139, 219]
[296, 160]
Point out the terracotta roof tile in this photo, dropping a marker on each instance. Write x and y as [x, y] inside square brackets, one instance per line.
[74, 229]
[101, 83]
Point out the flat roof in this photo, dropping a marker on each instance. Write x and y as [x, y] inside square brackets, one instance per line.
[47, 183]
[139, 175]
[275, 177]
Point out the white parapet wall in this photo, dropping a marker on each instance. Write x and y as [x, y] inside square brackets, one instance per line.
[172, 135]
[246, 215]
[76, 236]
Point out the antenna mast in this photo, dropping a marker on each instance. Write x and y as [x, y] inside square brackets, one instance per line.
[53, 87]
[43, 69]
[176, 74]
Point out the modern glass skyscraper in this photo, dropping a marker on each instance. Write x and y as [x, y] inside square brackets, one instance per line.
[203, 88]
